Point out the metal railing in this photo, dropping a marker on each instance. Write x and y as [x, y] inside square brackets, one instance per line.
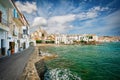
[4, 22]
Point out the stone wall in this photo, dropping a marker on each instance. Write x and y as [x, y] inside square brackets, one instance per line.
[30, 72]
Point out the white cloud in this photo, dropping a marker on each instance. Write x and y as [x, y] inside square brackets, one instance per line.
[98, 8]
[39, 21]
[63, 23]
[87, 15]
[91, 13]
[26, 7]
[108, 25]
[60, 24]
[62, 19]
[113, 19]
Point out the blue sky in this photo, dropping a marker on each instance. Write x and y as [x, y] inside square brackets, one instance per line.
[101, 17]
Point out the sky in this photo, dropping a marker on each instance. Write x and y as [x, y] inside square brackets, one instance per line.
[100, 17]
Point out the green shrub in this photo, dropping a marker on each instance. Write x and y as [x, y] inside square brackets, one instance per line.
[90, 37]
[38, 41]
[83, 42]
[49, 41]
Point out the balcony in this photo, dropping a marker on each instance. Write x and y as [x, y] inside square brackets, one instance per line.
[4, 25]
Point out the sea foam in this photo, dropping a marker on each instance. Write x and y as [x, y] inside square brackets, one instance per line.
[60, 74]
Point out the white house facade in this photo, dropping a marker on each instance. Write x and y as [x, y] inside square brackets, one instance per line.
[12, 27]
[70, 39]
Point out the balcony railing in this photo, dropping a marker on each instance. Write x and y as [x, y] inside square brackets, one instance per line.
[4, 22]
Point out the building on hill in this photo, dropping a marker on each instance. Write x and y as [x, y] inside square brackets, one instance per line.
[39, 35]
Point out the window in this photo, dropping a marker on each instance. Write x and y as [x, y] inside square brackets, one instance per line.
[42, 35]
[15, 13]
[0, 16]
[24, 31]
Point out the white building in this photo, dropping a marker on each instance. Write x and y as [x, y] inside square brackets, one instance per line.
[61, 38]
[70, 39]
[5, 6]
[11, 28]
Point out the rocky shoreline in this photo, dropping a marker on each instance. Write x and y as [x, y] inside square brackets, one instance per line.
[41, 68]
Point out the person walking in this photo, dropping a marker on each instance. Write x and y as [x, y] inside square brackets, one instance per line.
[8, 52]
[39, 52]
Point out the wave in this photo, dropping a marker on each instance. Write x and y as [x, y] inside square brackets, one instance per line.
[60, 74]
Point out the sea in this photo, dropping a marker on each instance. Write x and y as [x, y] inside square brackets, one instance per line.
[84, 62]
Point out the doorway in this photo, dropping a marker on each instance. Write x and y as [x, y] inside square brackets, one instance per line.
[12, 47]
[3, 47]
[24, 45]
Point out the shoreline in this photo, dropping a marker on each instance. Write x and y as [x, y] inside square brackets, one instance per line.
[97, 43]
[40, 65]
[44, 45]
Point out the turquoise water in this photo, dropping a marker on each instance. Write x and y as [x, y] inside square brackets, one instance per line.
[90, 62]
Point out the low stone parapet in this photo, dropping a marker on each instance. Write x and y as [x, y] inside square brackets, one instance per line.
[30, 72]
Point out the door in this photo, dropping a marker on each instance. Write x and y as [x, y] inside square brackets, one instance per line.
[12, 47]
[2, 47]
[24, 45]
[2, 40]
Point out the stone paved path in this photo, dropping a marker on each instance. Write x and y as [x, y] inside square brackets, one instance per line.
[11, 67]
[30, 72]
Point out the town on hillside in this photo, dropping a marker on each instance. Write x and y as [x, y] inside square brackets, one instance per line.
[41, 36]
[15, 33]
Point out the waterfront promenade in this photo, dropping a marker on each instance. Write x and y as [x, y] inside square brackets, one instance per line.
[11, 67]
